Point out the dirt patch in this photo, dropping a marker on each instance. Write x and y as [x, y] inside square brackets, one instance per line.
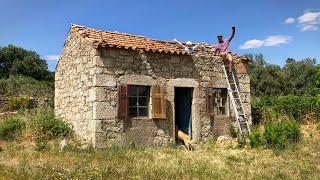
[310, 131]
[226, 142]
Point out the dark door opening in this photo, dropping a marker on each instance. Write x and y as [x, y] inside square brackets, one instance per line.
[183, 103]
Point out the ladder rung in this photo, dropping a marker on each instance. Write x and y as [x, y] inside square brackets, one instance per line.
[234, 94]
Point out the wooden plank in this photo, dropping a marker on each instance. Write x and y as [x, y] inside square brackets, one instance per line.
[123, 109]
[158, 103]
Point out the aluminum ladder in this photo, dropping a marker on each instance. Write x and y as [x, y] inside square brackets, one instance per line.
[237, 106]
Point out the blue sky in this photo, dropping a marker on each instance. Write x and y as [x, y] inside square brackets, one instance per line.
[277, 28]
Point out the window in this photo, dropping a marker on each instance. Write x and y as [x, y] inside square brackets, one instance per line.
[219, 100]
[134, 101]
[138, 97]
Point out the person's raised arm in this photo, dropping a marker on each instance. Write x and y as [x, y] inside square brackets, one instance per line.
[194, 47]
[175, 40]
[232, 33]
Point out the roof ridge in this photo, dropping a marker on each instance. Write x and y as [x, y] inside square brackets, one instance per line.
[113, 32]
[106, 38]
[130, 34]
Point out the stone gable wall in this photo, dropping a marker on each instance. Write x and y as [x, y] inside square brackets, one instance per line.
[73, 84]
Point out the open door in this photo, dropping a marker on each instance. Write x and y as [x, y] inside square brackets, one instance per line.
[183, 114]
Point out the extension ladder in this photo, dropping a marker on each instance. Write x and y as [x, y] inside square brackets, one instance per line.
[237, 106]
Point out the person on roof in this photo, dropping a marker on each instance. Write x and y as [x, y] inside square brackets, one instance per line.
[188, 48]
[222, 48]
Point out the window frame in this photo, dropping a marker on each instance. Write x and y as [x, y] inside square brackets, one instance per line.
[225, 105]
[137, 97]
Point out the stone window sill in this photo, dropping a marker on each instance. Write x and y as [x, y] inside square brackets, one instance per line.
[141, 118]
[222, 116]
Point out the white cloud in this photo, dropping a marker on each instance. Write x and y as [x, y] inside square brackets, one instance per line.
[254, 43]
[290, 20]
[276, 40]
[309, 27]
[309, 17]
[51, 57]
[309, 21]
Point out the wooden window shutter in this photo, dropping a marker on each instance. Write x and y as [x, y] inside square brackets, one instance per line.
[123, 109]
[158, 103]
[208, 102]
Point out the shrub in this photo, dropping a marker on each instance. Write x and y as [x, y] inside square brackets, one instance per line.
[11, 127]
[295, 107]
[256, 139]
[46, 126]
[256, 113]
[241, 139]
[15, 86]
[16, 103]
[232, 130]
[281, 134]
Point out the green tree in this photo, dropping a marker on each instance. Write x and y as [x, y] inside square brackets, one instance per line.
[19, 61]
[30, 66]
[299, 76]
[316, 84]
[295, 78]
[266, 79]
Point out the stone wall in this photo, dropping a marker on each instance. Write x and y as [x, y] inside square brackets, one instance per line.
[120, 66]
[243, 79]
[73, 82]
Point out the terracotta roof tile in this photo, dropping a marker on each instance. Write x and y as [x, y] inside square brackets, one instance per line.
[101, 38]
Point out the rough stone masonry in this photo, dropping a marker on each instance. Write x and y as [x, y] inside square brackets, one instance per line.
[98, 70]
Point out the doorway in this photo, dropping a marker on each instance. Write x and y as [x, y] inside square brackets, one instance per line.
[183, 114]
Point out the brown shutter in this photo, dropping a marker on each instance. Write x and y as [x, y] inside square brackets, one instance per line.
[208, 102]
[123, 109]
[158, 103]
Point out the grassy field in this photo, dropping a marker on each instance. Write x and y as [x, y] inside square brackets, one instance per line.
[18, 160]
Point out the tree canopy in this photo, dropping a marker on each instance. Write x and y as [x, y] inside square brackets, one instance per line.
[295, 78]
[19, 61]
[316, 84]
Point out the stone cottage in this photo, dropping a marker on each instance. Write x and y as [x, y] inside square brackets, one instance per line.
[120, 88]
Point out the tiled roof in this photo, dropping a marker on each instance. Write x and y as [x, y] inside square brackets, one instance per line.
[101, 38]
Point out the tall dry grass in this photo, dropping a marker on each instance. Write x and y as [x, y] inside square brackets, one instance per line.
[208, 161]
